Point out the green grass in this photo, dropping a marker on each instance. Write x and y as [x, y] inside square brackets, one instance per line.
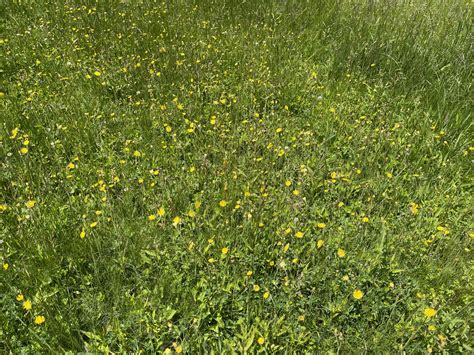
[281, 133]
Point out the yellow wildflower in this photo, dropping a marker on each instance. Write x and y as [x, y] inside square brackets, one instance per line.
[357, 294]
[429, 312]
[39, 320]
[223, 203]
[27, 305]
[414, 208]
[14, 133]
[161, 211]
[30, 204]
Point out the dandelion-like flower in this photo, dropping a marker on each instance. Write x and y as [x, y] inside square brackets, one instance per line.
[429, 312]
[358, 294]
[39, 320]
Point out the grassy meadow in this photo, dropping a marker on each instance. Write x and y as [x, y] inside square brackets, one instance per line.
[273, 176]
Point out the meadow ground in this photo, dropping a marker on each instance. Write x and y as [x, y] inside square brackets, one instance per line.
[236, 176]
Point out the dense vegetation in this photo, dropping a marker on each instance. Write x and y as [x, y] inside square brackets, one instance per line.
[236, 176]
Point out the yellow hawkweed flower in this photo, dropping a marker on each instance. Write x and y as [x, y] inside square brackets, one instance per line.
[341, 253]
[299, 234]
[20, 297]
[30, 204]
[14, 133]
[414, 208]
[429, 312]
[39, 320]
[261, 340]
[27, 305]
[223, 203]
[357, 294]
[161, 211]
